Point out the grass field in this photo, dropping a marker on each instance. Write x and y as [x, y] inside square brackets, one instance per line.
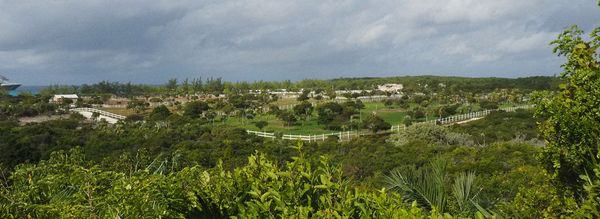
[310, 127]
[393, 116]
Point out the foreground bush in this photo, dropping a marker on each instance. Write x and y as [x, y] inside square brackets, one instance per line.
[67, 186]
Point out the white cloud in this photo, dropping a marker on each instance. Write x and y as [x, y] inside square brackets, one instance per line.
[367, 35]
[527, 42]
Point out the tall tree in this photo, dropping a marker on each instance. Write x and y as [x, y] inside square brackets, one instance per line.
[571, 118]
[160, 113]
[171, 84]
[303, 110]
[195, 109]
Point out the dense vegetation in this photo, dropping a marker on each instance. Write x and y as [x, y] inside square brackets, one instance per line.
[164, 153]
[501, 126]
[218, 86]
[179, 163]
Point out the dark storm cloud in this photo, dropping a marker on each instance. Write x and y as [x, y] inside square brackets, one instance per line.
[44, 42]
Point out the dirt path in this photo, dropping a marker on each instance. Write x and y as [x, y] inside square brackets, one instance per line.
[470, 120]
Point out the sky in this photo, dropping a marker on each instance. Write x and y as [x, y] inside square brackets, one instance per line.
[75, 42]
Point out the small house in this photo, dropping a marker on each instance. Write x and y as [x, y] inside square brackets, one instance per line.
[60, 98]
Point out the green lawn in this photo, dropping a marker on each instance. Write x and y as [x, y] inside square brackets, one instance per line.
[310, 127]
[393, 116]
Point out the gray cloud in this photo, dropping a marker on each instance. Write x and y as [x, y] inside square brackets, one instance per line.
[47, 42]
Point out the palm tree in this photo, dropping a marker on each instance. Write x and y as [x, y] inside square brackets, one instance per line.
[424, 185]
[427, 187]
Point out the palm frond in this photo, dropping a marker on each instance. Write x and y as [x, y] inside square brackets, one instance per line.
[462, 190]
[424, 185]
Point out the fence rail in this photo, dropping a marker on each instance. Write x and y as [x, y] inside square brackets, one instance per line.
[348, 135]
[341, 136]
[101, 112]
[478, 114]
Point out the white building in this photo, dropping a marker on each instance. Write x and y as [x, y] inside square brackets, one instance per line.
[390, 88]
[59, 98]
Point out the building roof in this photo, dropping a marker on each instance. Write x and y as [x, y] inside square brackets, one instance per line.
[66, 96]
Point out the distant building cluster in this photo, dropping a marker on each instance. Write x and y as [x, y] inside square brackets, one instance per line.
[390, 88]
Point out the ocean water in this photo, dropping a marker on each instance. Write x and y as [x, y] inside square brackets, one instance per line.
[26, 89]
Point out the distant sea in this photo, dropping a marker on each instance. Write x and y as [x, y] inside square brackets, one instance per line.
[26, 89]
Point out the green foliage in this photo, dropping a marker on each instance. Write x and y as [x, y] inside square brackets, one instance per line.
[375, 124]
[102, 88]
[431, 134]
[138, 105]
[417, 113]
[135, 118]
[195, 109]
[541, 201]
[159, 113]
[171, 84]
[328, 112]
[590, 208]
[463, 192]
[500, 126]
[66, 186]
[490, 105]
[304, 95]
[571, 117]
[25, 106]
[288, 117]
[407, 120]
[304, 109]
[261, 124]
[427, 186]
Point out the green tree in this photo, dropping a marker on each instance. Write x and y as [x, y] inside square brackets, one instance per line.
[304, 95]
[407, 120]
[160, 113]
[303, 110]
[95, 115]
[171, 84]
[487, 104]
[375, 124]
[138, 106]
[331, 94]
[328, 112]
[287, 117]
[417, 113]
[261, 124]
[389, 103]
[274, 110]
[195, 109]
[571, 118]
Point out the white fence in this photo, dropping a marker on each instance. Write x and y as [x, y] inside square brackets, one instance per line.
[395, 128]
[478, 114]
[341, 136]
[262, 134]
[101, 112]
